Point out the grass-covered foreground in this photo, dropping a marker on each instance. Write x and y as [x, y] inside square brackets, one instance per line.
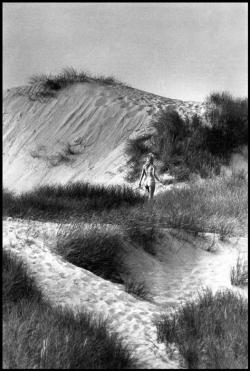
[36, 335]
[210, 333]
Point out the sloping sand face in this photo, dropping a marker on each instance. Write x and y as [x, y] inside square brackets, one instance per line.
[78, 135]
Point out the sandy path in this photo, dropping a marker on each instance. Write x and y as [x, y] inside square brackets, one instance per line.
[65, 284]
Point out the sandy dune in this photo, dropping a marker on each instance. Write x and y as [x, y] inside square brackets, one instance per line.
[78, 135]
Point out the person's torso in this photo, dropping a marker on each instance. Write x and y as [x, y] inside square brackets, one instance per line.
[150, 173]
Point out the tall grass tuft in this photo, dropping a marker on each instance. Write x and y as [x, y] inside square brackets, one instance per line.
[211, 333]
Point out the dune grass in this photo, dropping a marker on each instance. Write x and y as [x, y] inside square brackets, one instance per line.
[239, 273]
[211, 333]
[77, 199]
[42, 87]
[95, 249]
[217, 205]
[36, 335]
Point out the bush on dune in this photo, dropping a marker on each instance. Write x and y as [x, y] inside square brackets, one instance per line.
[37, 335]
[211, 333]
[228, 118]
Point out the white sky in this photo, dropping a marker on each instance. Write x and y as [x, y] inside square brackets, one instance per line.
[178, 50]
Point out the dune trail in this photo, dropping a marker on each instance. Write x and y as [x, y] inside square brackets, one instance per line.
[171, 280]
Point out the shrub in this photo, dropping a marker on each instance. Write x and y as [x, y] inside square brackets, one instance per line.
[228, 119]
[239, 273]
[170, 135]
[211, 333]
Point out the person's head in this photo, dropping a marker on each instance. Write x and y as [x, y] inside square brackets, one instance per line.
[150, 159]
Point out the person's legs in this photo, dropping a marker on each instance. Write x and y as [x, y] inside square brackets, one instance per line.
[151, 191]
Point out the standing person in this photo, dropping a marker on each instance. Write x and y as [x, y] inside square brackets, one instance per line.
[149, 172]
